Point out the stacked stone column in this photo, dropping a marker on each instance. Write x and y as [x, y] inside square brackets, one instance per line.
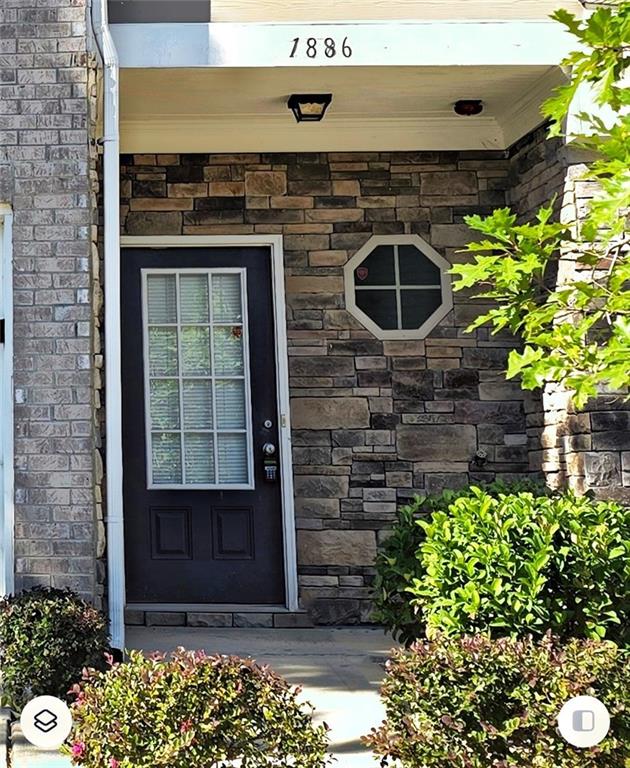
[587, 450]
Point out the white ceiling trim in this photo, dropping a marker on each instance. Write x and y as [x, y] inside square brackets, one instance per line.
[527, 108]
[281, 134]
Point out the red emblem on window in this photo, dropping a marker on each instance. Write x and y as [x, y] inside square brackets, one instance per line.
[362, 273]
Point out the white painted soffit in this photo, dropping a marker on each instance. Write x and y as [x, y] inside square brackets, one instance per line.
[373, 108]
[418, 44]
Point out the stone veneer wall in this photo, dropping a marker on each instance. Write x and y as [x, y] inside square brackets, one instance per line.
[590, 449]
[45, 162]
[373, 422]
[537, 174]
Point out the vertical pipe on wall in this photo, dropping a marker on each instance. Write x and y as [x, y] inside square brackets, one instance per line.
[113, 383]
[7, 514]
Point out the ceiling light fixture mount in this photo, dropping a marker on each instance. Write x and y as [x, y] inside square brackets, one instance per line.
[468, 107]
[309, 107]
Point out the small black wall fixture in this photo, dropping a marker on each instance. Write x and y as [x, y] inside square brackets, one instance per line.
[309, 107]
[468, 107]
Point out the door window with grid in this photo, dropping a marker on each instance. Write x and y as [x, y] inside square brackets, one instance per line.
[197, 387]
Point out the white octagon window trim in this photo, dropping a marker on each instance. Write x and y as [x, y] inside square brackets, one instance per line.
[446, 302]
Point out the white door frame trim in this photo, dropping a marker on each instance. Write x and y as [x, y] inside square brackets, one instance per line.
[275, 245]
[7, 510]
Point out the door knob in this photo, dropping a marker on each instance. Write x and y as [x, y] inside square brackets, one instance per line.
[269, 449]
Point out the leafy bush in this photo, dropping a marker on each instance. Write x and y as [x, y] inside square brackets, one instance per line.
[520, 563]
[47, 636]
[475, 702]
[397, 562]
[192, 711]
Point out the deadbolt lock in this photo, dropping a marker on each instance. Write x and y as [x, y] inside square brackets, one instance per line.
[270, 463]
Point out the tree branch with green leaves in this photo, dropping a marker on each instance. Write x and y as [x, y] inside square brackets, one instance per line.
[575, 327]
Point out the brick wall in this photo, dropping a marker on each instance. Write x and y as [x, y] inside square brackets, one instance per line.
[45, 176]
[374, 422]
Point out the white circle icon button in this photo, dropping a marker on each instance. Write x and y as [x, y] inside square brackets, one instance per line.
[584, 721]
[46, 722]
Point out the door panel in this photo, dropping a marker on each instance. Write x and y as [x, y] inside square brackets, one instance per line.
[202, 524]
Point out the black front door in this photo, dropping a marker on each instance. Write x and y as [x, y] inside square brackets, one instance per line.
[203, 521]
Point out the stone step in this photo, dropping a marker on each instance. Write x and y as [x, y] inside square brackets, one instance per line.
[218, 619]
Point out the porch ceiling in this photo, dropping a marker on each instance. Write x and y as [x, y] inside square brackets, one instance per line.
[227, 109]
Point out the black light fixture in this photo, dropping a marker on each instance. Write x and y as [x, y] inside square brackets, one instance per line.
[468, 107]
[309, 107]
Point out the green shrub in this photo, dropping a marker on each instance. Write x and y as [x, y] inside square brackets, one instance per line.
[47, 636]
[397, 562]
[475, 702]
[192, 711]
[520, 563]
[509, 564]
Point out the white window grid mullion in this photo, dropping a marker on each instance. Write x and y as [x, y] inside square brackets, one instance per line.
[201, 377]
[391, 287]
[146, 365]
[234, 431]
[249, 426]
[196, 325]
[205, 431]
[180, 378]
[215, 428]
[227, 325]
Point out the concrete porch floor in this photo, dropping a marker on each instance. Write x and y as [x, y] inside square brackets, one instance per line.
[339, 669]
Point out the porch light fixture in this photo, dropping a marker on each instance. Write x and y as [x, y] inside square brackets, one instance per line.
[309, 107]
[468, 107]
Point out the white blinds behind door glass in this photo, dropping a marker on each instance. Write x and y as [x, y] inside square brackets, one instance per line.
[195, 373]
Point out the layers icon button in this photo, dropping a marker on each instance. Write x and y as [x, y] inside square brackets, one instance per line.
[46, 722]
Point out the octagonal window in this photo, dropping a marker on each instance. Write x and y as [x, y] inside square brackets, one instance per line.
[398, 287]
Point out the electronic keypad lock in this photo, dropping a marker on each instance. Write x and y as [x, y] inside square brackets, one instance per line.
[270, 463]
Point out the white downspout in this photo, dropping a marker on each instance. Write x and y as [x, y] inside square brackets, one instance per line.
[7, 480]
[113, 383]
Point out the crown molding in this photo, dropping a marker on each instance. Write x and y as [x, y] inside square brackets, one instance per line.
[524, 113]
[194, 133]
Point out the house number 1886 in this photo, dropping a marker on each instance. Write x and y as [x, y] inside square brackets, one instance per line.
[318, 47]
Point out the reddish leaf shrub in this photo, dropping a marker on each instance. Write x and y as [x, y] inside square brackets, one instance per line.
[474, 702]
[190, 710]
